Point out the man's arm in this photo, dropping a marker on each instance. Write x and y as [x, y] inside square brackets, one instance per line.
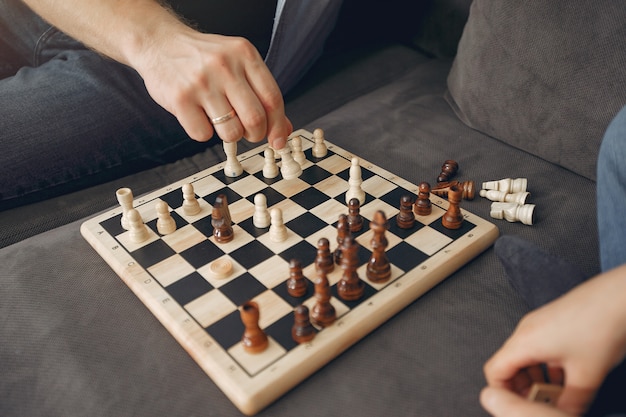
[194, 76]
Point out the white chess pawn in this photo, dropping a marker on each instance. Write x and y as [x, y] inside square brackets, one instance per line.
[507, 185]
[278, 231]
[233, 167]
[270, 169]
[125, 198]
[165, 222]
[191, 207]
[495, 195]
[513, 212]
[296, 150]
[289, 168]
[319, 148]
[138, 230]
[355, 181]
[261, 217]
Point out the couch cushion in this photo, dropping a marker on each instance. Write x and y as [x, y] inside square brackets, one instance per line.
[546, 77]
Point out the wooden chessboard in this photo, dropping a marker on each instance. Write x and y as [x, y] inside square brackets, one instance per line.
[172, 274]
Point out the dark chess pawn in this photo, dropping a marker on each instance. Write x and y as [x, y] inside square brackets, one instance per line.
[222, 228]
[254, 340]
[324, 259]
[448, 170]
[302, 330]
[296, 284]
[378, 267]
[452, 219]
[350, 287]
[343, 231]
[355, 220]
[423, 206]
[405, 219]
[323, 313]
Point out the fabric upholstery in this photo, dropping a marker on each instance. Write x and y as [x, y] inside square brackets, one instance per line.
[546, 77]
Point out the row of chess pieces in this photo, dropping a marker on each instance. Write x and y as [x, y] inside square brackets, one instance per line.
[508, 195]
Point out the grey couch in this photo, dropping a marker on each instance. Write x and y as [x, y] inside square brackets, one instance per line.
[75, 341]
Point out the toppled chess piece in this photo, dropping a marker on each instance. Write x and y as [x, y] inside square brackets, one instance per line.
[448, 170]
[513, 212]
[507, 185]
[468, 189]
[495, 195]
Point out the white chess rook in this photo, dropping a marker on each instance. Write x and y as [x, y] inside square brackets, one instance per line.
[125, 198]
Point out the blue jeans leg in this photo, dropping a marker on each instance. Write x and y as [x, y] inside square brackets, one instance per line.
[70, 118]
[611, 194]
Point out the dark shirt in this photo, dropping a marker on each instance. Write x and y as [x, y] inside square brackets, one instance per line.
[251, 19]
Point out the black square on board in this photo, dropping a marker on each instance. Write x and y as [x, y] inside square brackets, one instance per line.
[281, 290]
[367, 293]
[302, 251]
[365, 174]
[228, 180]
[251, 254]
[202, 253]
[248, 226]
[405, 256]
[271, 195]
[204, 226]
[113, 225]
[394, 196]
[228, 331]
[306, 224]
[243, 288]
[174, 198]
[268, 181]
[314, 174]
[466, 226]
[231, 196]
[310, 198]
[152, 253]
[189, 288]
[400, 232]
[280, 331]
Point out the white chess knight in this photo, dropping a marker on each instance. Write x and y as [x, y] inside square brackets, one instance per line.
[355, 181]
[233, 167]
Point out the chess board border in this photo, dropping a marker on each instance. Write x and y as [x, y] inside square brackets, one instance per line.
[252, 394]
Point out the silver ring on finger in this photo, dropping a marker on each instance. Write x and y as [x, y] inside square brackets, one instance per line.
[224, 118]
